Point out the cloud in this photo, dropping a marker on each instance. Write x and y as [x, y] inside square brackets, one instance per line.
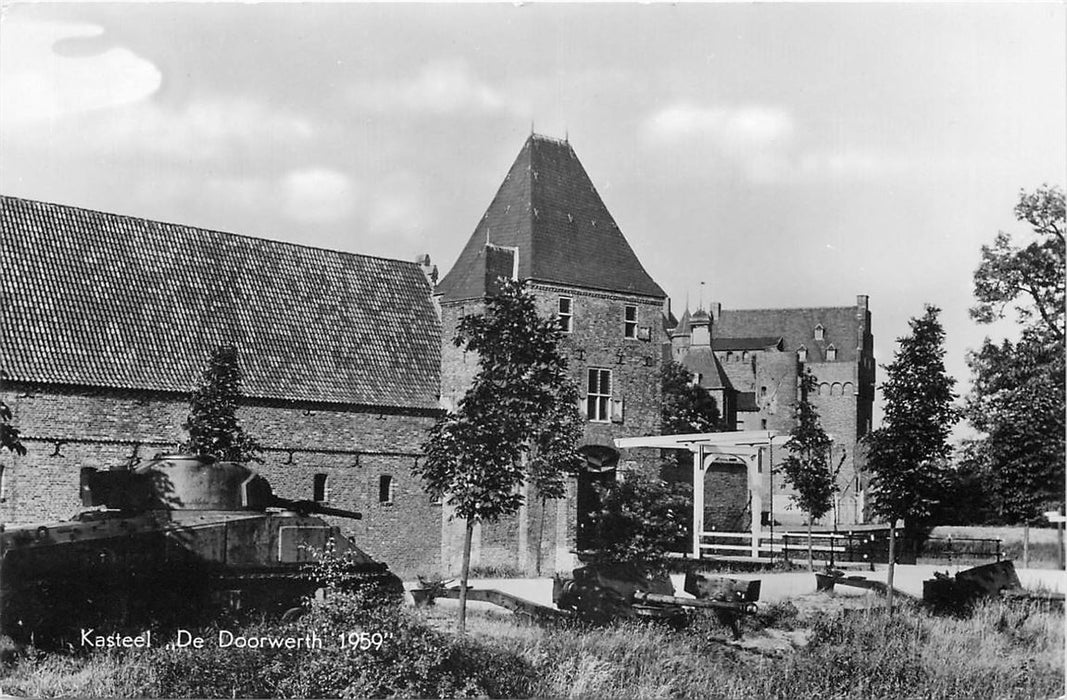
[317, 195]
[729, 128]
[762, 143]
[40, 85]
[440, 87]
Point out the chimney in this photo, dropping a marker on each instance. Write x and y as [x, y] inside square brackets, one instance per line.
[715, 311]
[428, 269]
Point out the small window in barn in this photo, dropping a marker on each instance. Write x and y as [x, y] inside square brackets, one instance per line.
[831, 352]
[320, 491]
[565, 313]
[385, 489]
[629, 321]
[820, 332]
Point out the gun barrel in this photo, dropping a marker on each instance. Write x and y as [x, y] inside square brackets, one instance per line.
[314, 507]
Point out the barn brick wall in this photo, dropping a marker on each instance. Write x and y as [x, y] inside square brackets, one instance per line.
[354, 448]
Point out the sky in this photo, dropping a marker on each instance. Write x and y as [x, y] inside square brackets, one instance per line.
[785, 155]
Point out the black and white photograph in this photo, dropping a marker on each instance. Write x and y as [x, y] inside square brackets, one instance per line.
[585, 350]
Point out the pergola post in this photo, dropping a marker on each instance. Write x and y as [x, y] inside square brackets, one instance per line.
[698, 498]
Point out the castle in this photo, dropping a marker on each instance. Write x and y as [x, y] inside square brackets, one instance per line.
[108, 321]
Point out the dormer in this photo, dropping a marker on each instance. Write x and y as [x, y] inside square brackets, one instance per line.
[831, 353]
[802, 354]
[820, 332]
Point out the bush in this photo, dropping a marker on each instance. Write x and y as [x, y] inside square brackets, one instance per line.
[411, 661]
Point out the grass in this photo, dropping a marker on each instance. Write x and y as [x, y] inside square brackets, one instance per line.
[823, 650]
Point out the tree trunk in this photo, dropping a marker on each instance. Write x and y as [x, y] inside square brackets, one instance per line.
[1026, 544]
[811, 560]
[541, 533]
[892, 564]
[464, 573]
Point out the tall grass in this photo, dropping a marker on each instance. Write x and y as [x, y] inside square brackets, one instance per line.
[1004, 650]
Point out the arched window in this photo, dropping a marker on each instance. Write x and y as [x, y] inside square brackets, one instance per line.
[385, 489]
[320, 490]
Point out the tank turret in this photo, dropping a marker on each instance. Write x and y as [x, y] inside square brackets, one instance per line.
[176, 536]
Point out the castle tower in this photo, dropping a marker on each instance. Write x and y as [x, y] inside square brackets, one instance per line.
[548, 226]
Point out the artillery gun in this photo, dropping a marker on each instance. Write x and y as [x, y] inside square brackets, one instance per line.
[170, 541]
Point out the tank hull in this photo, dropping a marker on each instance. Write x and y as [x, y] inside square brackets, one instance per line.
[120, 572]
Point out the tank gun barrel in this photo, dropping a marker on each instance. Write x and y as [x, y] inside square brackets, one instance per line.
[307, 507]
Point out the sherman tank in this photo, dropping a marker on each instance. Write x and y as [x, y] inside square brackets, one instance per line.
[176, 540]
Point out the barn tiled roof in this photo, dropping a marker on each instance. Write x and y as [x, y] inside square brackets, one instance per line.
[548, 208]
[103, 300]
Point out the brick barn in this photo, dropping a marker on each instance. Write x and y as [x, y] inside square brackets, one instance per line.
[108, 321]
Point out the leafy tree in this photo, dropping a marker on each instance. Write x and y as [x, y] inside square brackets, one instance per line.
[214, 431]
[908, 456]
[687, 408]
[9, 434]
[1017, 398]
[639, 521]
[807, 466]
[518, 422]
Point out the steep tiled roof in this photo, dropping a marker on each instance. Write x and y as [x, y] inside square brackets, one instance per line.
[89, 298]
[796, 327]
[548, 208]
[765, 343]
[702, 361]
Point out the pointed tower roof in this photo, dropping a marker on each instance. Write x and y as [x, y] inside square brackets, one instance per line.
[548, 208]
[683, 327]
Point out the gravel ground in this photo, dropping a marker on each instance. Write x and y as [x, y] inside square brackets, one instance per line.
[779, 586]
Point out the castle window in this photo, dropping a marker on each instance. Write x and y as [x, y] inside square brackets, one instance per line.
[744, 356]
[598, 398]
[819, 332]
[763, 423]
[385, 490]
[629, 321]
[763, 392]
[729, 356]
[831, 352]
[565, 313]
[320, 490]
[802, 354]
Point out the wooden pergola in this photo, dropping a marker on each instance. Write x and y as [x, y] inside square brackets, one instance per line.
[752, 447]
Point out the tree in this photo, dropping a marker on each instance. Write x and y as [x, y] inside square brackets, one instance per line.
[807, 466]
[9, 434]
[639, 521]
[908, 456]
[1017, 397]
[517, 422]
[214, 431]
[687, 408]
